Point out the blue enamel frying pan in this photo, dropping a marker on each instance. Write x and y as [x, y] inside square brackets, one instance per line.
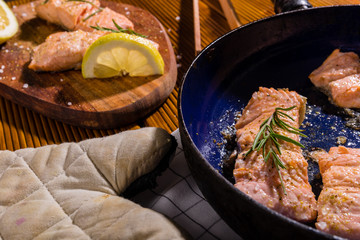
[280, 52]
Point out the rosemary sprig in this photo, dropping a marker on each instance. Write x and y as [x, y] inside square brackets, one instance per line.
[267, 139]
[99, 9]
[84, 1]
[96, 12]
[119, 29]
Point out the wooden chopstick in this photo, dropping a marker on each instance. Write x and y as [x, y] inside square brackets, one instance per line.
[230, 14]
[197, 34]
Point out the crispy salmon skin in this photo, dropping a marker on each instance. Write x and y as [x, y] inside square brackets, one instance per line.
[338, 202]
[339, 78]
[260, 179]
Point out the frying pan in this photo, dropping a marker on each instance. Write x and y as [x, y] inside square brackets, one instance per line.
[280, 52]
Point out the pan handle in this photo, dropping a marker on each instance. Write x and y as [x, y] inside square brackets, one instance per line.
[288, 5]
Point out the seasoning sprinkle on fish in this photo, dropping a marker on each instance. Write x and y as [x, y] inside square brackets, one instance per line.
[339, 78]
[338, 203]
[80, 14]
[260, 179]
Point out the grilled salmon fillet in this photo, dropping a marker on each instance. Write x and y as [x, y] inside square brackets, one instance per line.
[339, 78]
[74, 15]
[259, 179]
[63, 50]
[338, 202]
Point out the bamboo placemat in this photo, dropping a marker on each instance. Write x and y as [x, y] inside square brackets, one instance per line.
[21, 128]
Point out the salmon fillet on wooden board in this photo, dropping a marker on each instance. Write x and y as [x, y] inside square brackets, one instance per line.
[260, 179]
[67, 96]
[73, 14]
[338, 77]
[63, 50]
[338, 202]
[65, 13]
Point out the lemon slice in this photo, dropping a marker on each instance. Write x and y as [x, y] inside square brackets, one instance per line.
[119, 54]
[8, 23]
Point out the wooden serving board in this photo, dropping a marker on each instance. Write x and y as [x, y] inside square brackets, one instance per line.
[67, 96]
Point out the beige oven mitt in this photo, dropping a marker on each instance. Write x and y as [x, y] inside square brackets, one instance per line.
[71, 190]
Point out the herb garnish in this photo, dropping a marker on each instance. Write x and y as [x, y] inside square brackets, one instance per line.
[97, 27]
[99, 9]
[268, 137]
[119, 29]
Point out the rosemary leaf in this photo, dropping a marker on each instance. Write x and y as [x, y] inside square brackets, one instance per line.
[119, 29]
[279, 163]
[284, 109]
[91, 15]
[287, 139]
[261, 144]
[267, 132]
[285, 115]
[258, 136]
[84, 1]
[276, 143]
[267, 155]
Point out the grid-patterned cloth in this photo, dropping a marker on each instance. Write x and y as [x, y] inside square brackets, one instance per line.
[178, 197]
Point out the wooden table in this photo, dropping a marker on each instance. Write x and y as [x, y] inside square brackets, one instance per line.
[21, 128]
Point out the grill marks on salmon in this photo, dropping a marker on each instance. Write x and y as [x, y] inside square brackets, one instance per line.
[338, 202]
[260, 180]
[75, 15]
[339, 78]
[63, 50]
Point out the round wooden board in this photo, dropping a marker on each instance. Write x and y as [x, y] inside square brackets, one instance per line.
[67, 96]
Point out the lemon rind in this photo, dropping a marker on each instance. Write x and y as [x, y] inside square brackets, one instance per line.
[131, 42]
[11, 29]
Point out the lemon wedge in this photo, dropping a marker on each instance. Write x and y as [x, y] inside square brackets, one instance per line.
[8, 23]
[119, 54]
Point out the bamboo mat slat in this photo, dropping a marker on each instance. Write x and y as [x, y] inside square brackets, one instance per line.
[20, 127]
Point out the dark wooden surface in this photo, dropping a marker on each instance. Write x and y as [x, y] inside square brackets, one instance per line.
[21, 127]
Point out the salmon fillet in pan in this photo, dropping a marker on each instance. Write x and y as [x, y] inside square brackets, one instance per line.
[339, 78]
[259, 179]
[339, 200]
